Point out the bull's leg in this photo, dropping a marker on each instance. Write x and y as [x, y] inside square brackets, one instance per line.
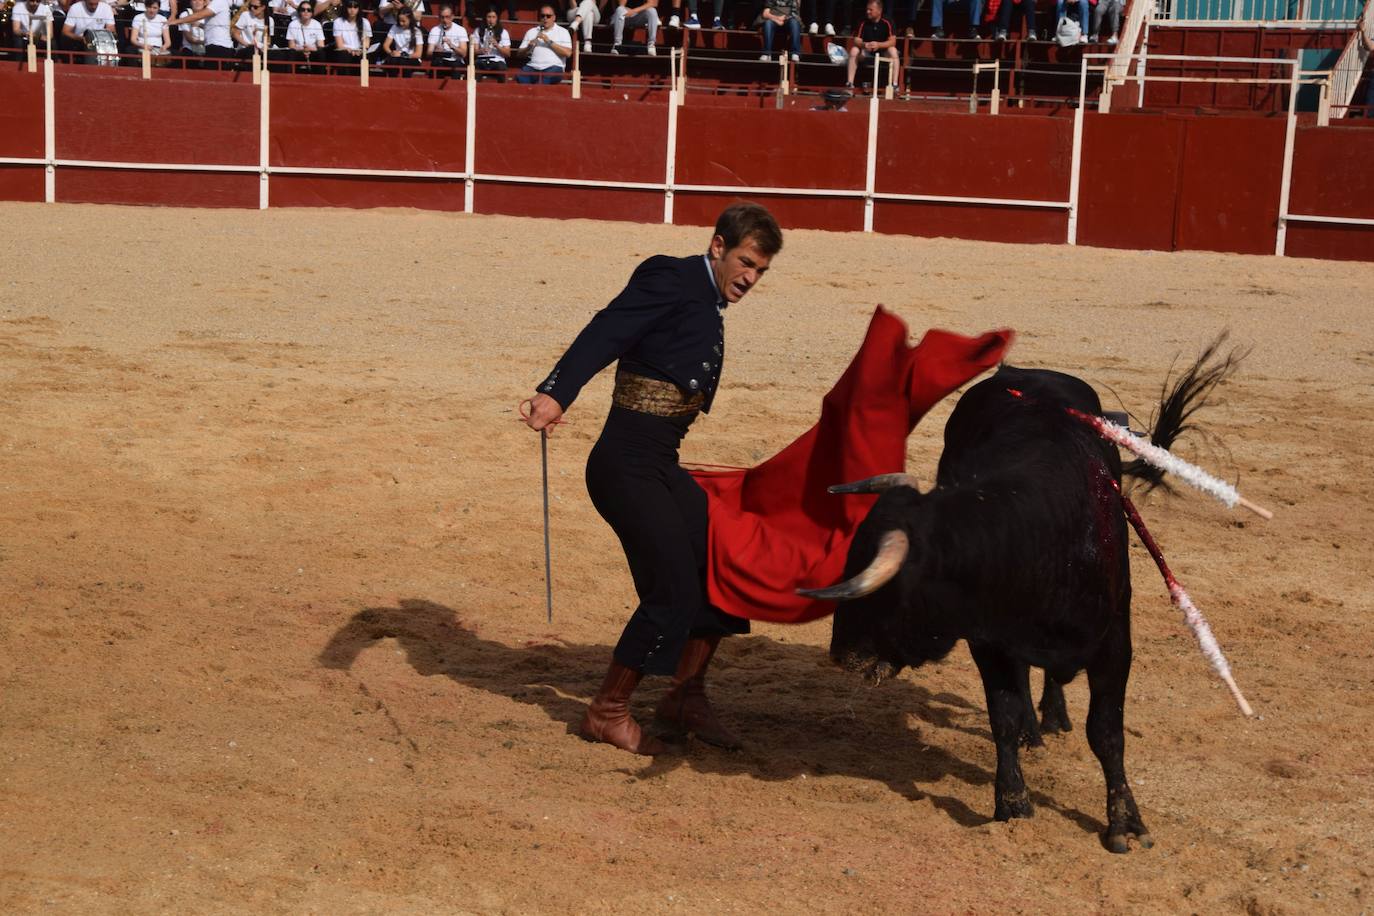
[1107, 675]
[1030, 731]
[1054, 712]
[1002, 686]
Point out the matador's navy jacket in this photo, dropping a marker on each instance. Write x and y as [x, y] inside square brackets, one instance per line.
[667, 324]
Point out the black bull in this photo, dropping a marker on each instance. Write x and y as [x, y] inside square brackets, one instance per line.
[1020, 549]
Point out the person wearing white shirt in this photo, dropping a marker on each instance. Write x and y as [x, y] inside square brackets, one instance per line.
[283, 13]
[84, 16]
[388, 9]
[403, 44]
[349, 46]
[549, 45]
[305, 36]
[211, 30]
[250, 30]
[151, 32]
[30, 16]
[492, 46]
[448, 45]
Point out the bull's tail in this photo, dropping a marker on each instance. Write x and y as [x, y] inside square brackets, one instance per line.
[1180, 398]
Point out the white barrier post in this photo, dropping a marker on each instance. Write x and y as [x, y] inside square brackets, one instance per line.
[1075, 166]
[33, 51]
[364, 71]
[871, 163]
[1286, 183]
[577, 69]
[470, 136]
[995, 100]
[264, 131]
[49, 126]
[147, 54]
[670, 165]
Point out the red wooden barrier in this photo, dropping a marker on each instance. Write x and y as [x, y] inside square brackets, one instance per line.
[1331, 177]
[1147, 181]
[962, 155]
[21, 134]
[1129, 181]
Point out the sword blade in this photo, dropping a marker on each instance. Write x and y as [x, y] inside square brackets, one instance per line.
[548, 563]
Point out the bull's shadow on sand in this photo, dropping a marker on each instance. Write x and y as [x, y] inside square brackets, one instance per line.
[796, 712]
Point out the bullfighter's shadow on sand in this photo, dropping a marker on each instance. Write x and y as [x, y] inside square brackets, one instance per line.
[797, 713]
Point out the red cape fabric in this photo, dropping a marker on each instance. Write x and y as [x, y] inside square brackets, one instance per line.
[774, 528]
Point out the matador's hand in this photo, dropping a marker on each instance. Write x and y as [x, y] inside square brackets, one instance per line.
[544, 413]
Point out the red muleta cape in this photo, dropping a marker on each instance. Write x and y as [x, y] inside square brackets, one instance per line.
[774, 528]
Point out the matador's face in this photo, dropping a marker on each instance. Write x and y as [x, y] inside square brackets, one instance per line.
[737, 270]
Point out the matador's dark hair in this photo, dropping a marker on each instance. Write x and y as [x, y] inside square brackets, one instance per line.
[748, 221]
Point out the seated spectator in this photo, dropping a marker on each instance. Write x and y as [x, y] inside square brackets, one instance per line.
[388, 9]
[448, 45]
[692, 21]
[211, 19]
[350, 47]
[493, 46]
[975, 16]
[403, 44]
[31, 18]
[192, 33]
[587, 15]
[876, 37]
[821, 15]
[1108, 11]
[645, 14]
[84, 16]
[783, 14]
[549, 45]
[149, 29]
[1083, 21]
[283, 14]
[305, 36]
[1027, 8]
[250, 30]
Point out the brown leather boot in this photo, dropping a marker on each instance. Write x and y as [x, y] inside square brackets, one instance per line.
[685, 707]
[608, 717]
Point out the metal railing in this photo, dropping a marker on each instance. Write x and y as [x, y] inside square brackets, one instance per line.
[1346, 72]
[1289, 13]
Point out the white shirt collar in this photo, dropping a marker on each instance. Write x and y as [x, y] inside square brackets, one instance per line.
[720, 300]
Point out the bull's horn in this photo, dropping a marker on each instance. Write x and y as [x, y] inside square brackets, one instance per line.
[892, 550]
[877, 484]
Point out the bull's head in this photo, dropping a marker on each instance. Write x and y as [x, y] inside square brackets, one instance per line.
[864, 639]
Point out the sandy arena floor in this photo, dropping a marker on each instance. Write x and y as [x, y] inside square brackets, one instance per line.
[274, 637]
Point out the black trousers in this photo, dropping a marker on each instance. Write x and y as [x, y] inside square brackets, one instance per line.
[659, 513]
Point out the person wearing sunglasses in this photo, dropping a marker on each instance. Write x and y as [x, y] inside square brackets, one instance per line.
[352, 34]
[448, 45]
[549, 45]
[305, 36]
[251, 31]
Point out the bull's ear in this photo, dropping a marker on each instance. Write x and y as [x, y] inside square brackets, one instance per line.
[892, 551]
[877, 484]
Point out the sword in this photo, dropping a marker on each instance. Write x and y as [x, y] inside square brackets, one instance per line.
[548, 565]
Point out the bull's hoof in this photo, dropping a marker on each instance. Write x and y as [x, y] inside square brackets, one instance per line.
[1031, 738]
[1054, 722]
[1013, 806]
[1120, 842]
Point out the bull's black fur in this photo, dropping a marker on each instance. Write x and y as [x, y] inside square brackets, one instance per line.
[1020, 549]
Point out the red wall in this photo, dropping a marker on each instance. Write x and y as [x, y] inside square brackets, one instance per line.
[1148, 181]
[21, 133]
